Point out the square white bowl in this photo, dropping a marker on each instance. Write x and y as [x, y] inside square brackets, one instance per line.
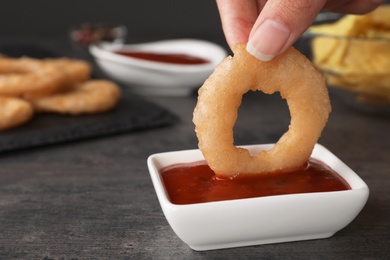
[263, 220]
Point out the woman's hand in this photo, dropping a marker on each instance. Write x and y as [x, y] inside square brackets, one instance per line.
[270, 27]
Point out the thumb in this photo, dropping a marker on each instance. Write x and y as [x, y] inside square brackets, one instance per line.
[279, 25]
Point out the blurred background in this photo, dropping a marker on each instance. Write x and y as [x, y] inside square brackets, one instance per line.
[146, 20]
[50, 21]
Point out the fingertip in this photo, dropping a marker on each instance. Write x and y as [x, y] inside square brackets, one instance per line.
[257, 54]
[269, 39]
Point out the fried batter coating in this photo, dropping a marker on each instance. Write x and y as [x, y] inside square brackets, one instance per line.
[297, 80]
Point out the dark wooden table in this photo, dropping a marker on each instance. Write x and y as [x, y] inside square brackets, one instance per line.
[93, 199]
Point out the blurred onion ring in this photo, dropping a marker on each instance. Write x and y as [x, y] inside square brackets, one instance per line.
[74, 71]
[90, 97]
[14, 112]
[20, 77]
[215, 114]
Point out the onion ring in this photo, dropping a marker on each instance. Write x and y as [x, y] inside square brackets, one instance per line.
[26, 76]
[93, 96]
[219, 98]
[75, 71]
[14, 112]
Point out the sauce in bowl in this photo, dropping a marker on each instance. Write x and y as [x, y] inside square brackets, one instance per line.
[197, 183]
[174, 58]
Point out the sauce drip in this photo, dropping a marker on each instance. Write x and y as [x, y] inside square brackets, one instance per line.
[175, 58]
[197, 183]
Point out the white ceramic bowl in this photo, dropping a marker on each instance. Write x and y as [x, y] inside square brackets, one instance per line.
[263, 220]
[158, 78]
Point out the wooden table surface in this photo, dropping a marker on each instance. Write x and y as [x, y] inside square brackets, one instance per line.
[94, 199]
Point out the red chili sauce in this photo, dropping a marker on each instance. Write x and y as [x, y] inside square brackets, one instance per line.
[197, 183]
[175, 58]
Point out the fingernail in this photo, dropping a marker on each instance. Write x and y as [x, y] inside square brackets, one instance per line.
[268, 40]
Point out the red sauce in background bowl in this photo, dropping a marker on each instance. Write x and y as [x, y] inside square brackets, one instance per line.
[174, 58]
[196, 183]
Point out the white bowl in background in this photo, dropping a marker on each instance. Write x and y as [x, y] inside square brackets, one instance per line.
[263, 220]
[158, 78]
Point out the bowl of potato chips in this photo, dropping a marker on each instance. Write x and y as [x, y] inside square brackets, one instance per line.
[353, 52]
